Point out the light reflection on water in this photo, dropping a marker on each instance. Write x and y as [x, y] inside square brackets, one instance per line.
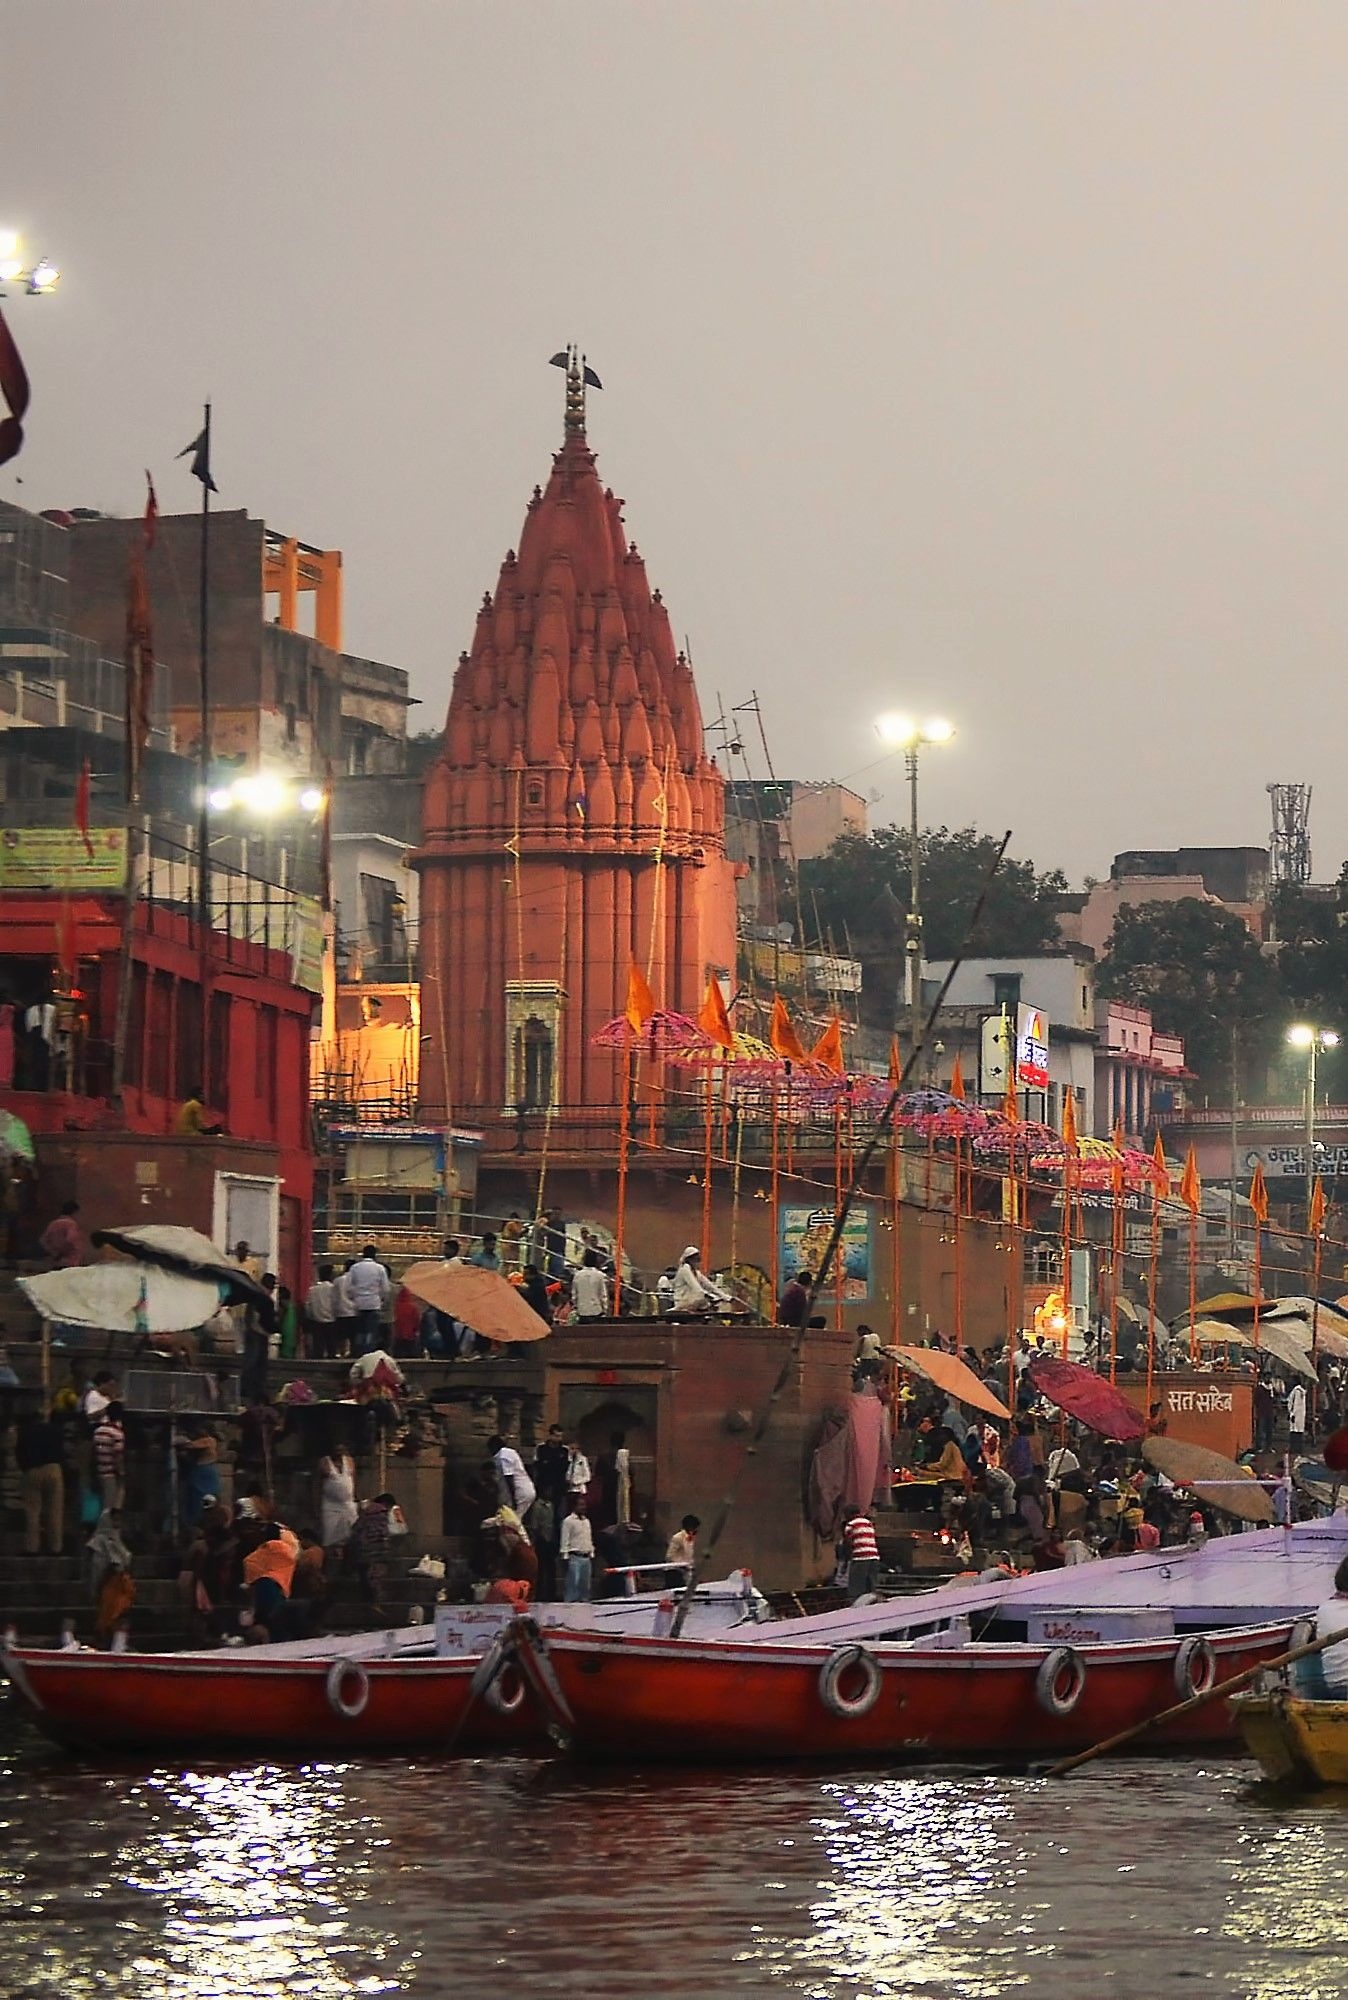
[510, 1877]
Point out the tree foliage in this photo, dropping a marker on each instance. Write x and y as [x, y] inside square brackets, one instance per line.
[856, 896]
[1201, 974]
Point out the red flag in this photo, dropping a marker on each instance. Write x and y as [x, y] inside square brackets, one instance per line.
[1191, 1187]
[1259, 1194]
[957, 1079]
[828, 1050]
[14, 389]
[713, 1019]
[640, 1006]
[82, 808]
[782, 1035]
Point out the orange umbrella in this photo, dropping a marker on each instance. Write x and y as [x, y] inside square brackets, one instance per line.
[482, 1299]
[948, 1372]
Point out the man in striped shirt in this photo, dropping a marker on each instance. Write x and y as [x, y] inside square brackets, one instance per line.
[863, 1555]
[110, 1456]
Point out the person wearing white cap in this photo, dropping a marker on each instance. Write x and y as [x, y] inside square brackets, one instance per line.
[694, 1292]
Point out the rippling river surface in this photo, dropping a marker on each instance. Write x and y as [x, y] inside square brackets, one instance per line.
[520, 1877]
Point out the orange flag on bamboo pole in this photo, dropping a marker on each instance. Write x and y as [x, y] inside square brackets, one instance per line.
[1191, 1185]
[828, 1050]
[1317, 1214]
[1069, 1119]
[1011, 1103]
[1162, 1170]
[782, 1035]
[713, 1019]
[957, 1079]
[640, 1008]
[895, 1066]
[1259, 1194]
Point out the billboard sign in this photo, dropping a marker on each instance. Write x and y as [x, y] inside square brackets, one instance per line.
[1031, 1048]
[803, 1234]
[59, 858]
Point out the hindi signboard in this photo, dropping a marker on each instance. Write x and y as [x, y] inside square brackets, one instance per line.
[58, 858]
[1031, 1048]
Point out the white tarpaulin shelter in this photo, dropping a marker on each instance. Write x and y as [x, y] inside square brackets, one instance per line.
[123, 1298]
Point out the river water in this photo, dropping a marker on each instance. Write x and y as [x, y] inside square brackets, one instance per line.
[513, 1878]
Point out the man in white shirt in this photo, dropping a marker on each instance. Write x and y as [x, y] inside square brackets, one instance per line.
[589, 1289]
[577, 1552]
[695, 1296]
[578, 1474]
[368, 1291]
[320, 1312]
[1325, 1677]
[1296, 1416]
[681, 1543]
[517, 1489]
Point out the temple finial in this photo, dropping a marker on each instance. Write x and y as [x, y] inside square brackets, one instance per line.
[579, 375]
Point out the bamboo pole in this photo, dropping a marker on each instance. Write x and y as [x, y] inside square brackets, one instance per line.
[706, 1171]
[1152, 1257]
[775, 1252]
[620, 1229]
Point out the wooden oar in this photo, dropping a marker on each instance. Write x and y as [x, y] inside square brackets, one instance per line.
[1213, 1693]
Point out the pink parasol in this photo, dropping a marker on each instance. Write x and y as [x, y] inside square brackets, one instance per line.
[1086, 1396]
[664, 1033]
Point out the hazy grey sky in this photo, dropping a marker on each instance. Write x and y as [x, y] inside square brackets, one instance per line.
[967, 355]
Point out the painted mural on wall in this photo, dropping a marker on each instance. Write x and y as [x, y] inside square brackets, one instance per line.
[803, 1234]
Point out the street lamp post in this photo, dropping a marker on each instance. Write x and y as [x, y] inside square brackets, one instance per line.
[1312, 1040]
[910, 737]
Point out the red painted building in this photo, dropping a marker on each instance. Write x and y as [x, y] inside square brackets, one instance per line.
[573, 822]
[256, 1177]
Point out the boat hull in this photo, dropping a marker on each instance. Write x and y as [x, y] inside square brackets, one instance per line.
[1296, 1742]
[636, 1699]
[229, 1701]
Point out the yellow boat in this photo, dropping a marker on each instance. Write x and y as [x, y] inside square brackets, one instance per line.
[1296, 1741]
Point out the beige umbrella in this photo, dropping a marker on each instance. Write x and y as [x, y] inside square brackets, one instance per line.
[484, 1300]
[1217, 1480]
[1288, 1348]
[1216, 1333]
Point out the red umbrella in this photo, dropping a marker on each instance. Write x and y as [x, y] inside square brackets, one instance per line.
[1086, 1395]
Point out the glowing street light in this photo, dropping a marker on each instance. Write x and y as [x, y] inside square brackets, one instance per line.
[902, 732]
[1302, 1036]
[36, 278]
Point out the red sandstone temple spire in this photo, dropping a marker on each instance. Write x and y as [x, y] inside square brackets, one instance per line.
[572, 822]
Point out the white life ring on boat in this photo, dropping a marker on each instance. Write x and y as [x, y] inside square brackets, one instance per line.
[1060, 1681]
[843, 1664]
[348, 1689]
[1195, 1667]
[506, 1691]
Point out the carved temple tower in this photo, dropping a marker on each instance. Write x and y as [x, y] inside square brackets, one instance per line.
[572, 823]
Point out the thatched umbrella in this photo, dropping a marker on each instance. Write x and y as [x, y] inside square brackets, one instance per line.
[1218, 1481]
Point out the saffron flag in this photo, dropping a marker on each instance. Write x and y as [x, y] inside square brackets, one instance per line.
[1010, 1103]
[139, 648]
[1117, 1136]
[1069, 1119]
[782, 1035]
[895, 1066]
[14, 389]
[82, 784]
[957, 1079]
[1317, 1214]
[1191, 1187]
[713, 1019]
[66, 959]
[640, 1006]
[1259, 1194]
[828, 1050]
[1162, 1170]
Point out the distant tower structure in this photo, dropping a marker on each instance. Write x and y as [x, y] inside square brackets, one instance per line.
[1290, 843]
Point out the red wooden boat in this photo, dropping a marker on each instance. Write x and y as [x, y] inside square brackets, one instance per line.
[300, 1703]
[638, 1698]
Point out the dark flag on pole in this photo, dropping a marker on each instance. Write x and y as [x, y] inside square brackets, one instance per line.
[139, 652]
[200, 449]
[14, 389]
